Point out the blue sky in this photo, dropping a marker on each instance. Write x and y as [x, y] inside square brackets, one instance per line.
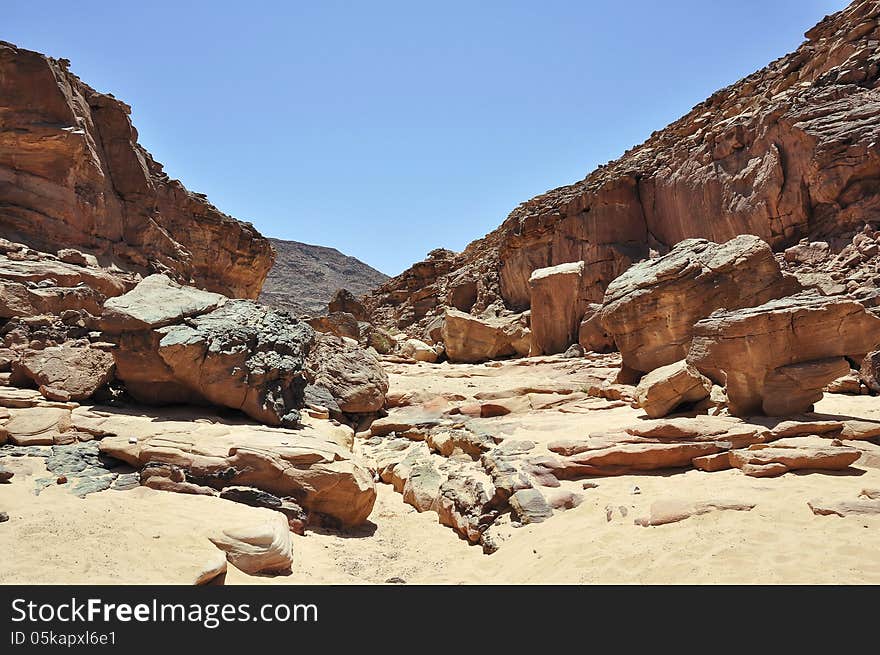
[387, 129]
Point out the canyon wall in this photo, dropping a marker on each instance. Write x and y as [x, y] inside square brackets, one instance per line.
[72, 175]
[786, 153]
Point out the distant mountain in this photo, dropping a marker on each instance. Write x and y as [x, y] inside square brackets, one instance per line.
[305, 277]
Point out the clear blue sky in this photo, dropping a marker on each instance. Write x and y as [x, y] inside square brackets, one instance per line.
[387, 129]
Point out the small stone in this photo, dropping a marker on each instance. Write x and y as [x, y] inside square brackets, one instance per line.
[636, 491]
[61, 479]
[395, 580]
[4, 517]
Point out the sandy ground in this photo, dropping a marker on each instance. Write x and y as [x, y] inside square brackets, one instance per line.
[142, 535]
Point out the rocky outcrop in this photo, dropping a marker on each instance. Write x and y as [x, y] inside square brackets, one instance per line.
[308, 465]
[72, 175]
[468, 338]
[176, 344]
[785, 153]
[763, 460]
[558, 306]
[651, 309]
[778, 357]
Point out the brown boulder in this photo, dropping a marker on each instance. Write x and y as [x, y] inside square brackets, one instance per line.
[651, 309]
[592, 336]
[557, 304]
[869, 372]
[777, 358]
[67, 373]
[471, 339]
[340, 324]
[668, 387]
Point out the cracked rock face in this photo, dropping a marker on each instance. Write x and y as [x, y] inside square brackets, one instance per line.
[243, 356]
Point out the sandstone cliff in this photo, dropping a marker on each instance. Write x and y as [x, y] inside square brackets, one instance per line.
[72, 174]
[788, 152]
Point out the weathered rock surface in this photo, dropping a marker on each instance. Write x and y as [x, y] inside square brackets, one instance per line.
[178, 344]
[352, 376]
[763, 460]
[66, 373]
[471, 339]
[155, 302]
[72, 175]
[310, 464]
[592, 336]
[778, 357]
[558, 305]
[651, 309]
[668, 387]
[257, 547]
[784, 153]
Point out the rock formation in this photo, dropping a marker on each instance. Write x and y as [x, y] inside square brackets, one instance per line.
[777, 358]
[178, 344]
[558, 306]
[471, 339]
[787, 152]
[651, 309]
[73, 175]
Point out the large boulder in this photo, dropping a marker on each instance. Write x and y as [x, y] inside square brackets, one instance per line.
[176, 344]
[66, 373]
[352, 375]
[778, 357]
[592, 336]
[558, 304]
[667, 387]
[651, 309]
[471, 339]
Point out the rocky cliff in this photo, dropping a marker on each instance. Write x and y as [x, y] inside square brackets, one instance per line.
[305, 277]
[72, 174]
[789, 152]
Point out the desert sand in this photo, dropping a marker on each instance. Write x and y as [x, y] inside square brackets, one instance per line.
[147, 536]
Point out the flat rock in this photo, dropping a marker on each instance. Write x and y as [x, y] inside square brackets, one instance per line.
[674, 510]
[770, 461]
